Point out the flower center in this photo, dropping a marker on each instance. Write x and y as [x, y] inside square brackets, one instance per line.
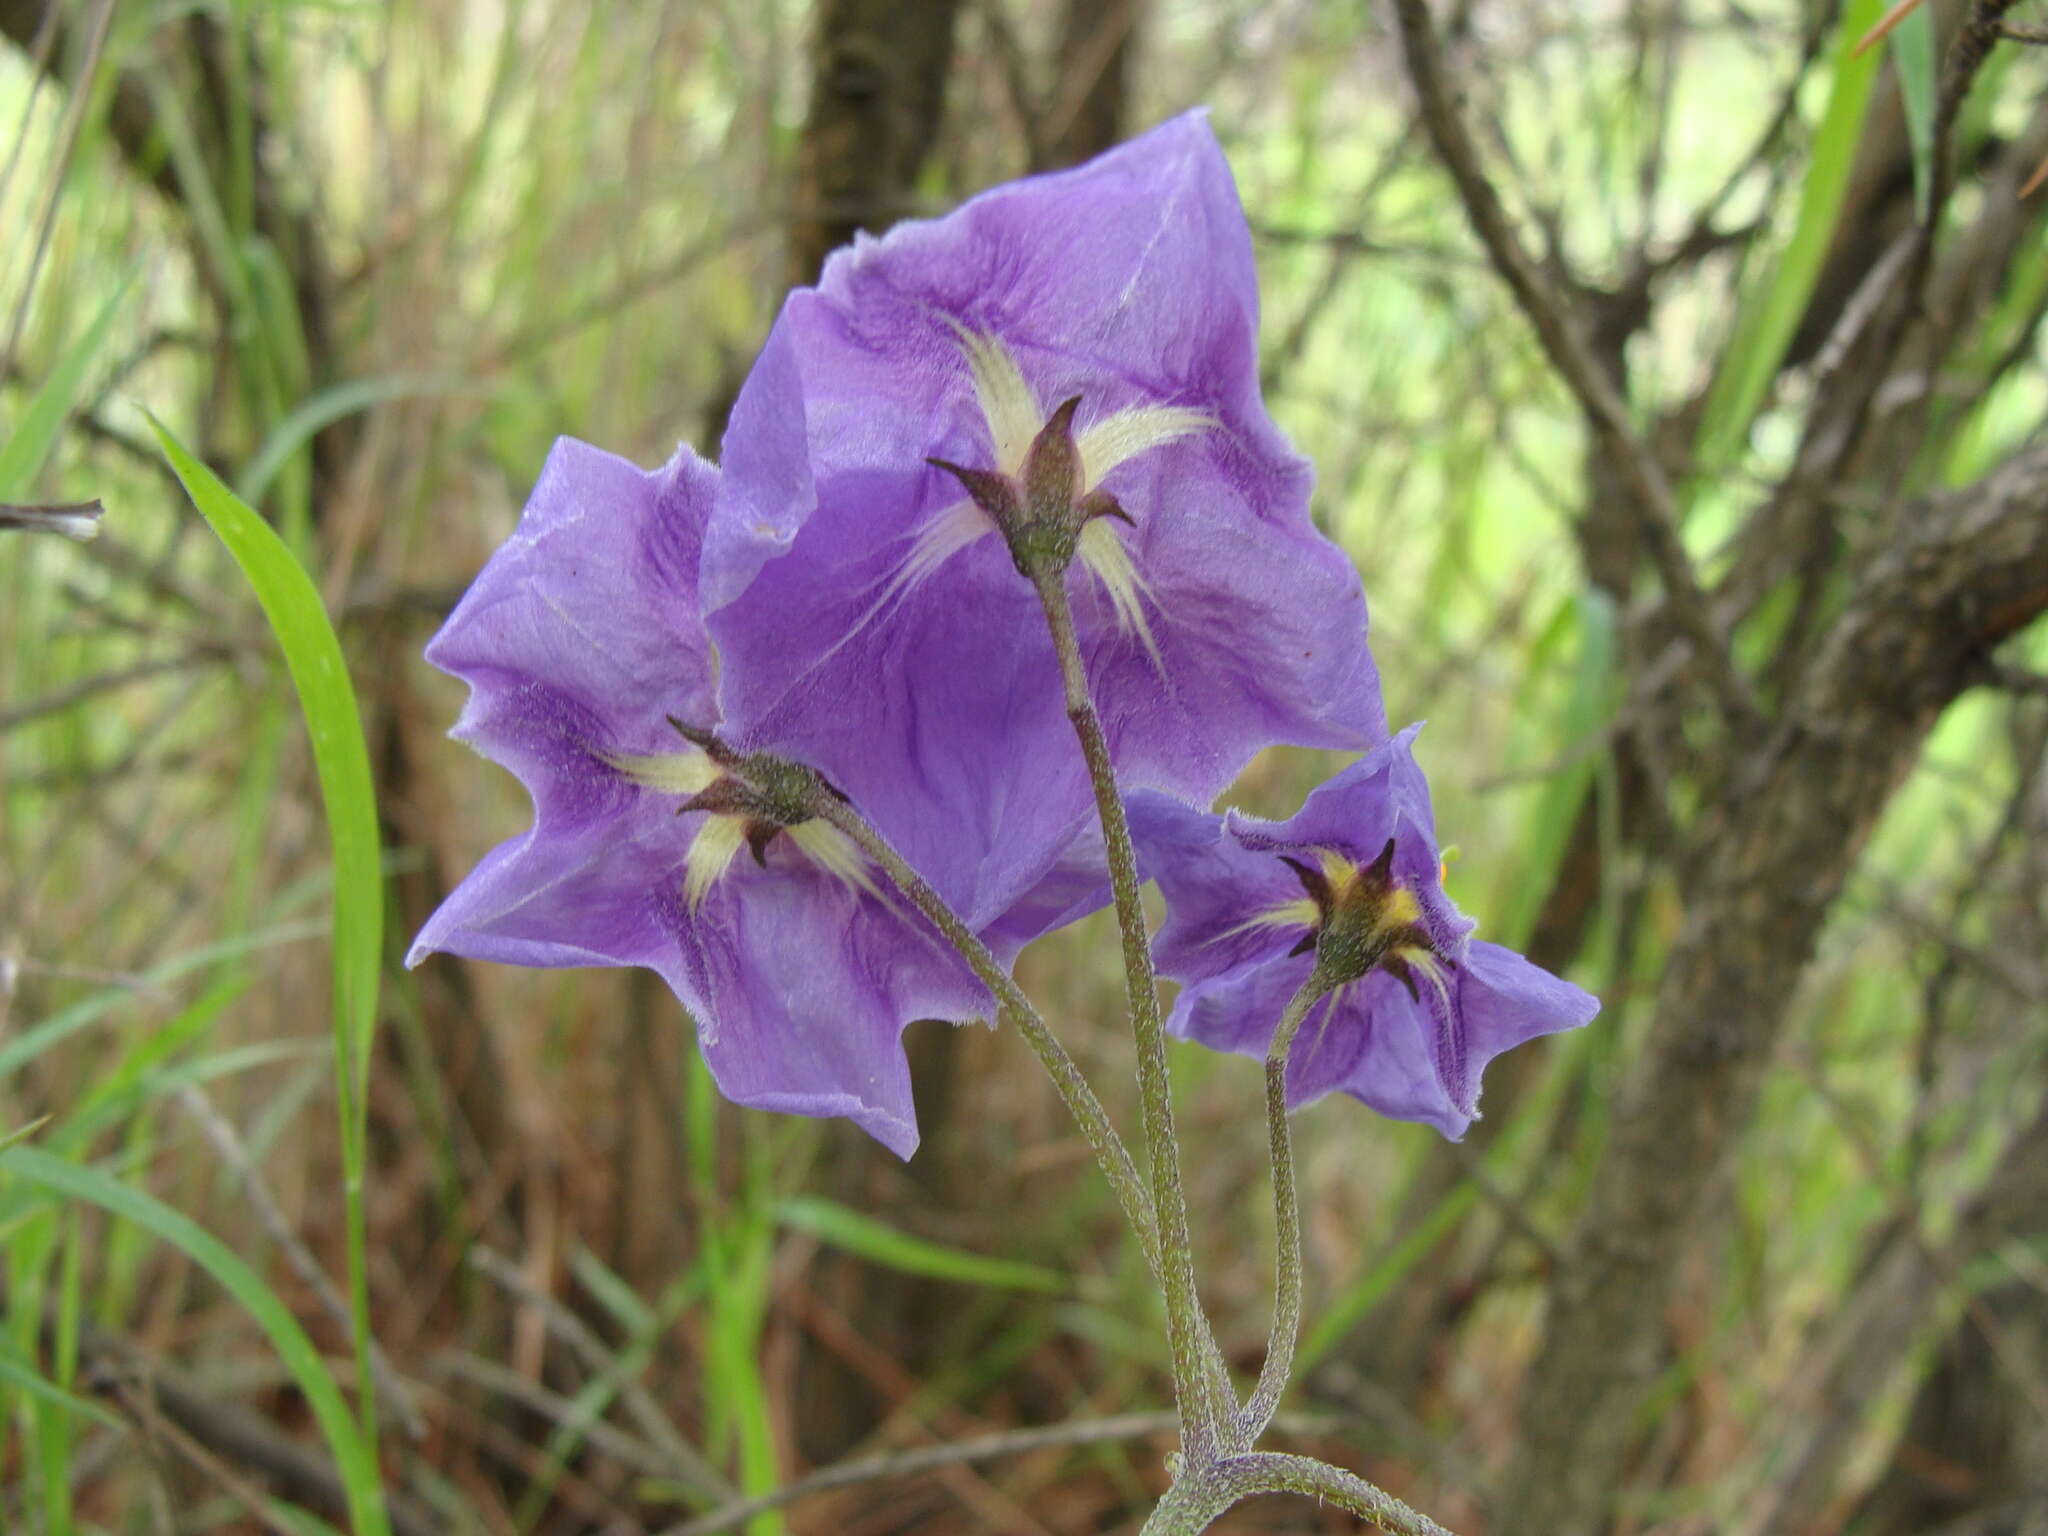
[1043, 489]
[747, 801]
[1364, 920]
[1041, 509]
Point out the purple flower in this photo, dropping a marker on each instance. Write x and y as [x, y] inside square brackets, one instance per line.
[1352, 883]
[1063, 373]
[582, 643]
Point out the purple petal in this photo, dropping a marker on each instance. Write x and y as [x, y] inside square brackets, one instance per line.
[1411, 1056]
[1372, 1041]
[935, 703]
[1239, 1010]
[1356, 811]
[1503, 1000]
[567, 893]
[767, 468]
[802, 988]
[1076, 885]
[1381, 1046]
[577, 640]
[1215, 889]
[583, 627]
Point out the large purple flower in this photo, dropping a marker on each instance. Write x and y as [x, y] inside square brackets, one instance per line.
[860, 575]
[1353, 883]
[582, 642]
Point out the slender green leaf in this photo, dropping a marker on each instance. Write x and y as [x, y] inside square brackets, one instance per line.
[298, 1521]
[313, 654]
[1914, 58]
[611, 1291]
[1770, 309]
[352, 1456]
[23, 1377]
[1350, 1308]
[880, 1243]
[322, 410]
[319, 674]
[31, 1043]
[1576, 731]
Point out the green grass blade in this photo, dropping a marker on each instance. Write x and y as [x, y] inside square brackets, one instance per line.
[352, 1456]
[1350, 1307]
[1770, 311]
[319, 673]
[31, 1043]
[323, 410]
[25, 1379]
[56, 1426]
[31, 438]
[1587, 709]
[879, 1243]
[1914, 59]
[23, 1132]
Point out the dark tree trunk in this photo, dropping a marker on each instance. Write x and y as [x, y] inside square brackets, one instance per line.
[1974, 1454]
[1088, 108]
[1966, 571]
[878, 95]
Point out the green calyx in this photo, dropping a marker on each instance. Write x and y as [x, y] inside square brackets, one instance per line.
[1367, 921]
[1040, 511]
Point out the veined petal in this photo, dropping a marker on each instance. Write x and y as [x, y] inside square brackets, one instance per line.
[583, 644]
[571, 891]
[1122, 437]
[1007, 403]
[581, 634]
[803, 988]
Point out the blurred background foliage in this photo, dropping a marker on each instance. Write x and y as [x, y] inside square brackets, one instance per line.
[368, 261]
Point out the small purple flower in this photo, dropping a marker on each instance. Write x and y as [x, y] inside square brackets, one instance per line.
[1352, 883]
[590, 678]
[1061, 376]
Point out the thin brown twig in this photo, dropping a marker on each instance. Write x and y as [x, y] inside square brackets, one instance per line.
[160, 1430]
[565, 1413]
[900, 1464]
[227, 1145]
[1557, 329]
[238, 1436]
[61, 699]
[686, 1463]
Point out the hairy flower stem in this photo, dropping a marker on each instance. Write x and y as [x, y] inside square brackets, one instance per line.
[1258, 1411]
[1080, 1099]
[1110, 1152]
[1200, 1497]
[1207, 1406]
